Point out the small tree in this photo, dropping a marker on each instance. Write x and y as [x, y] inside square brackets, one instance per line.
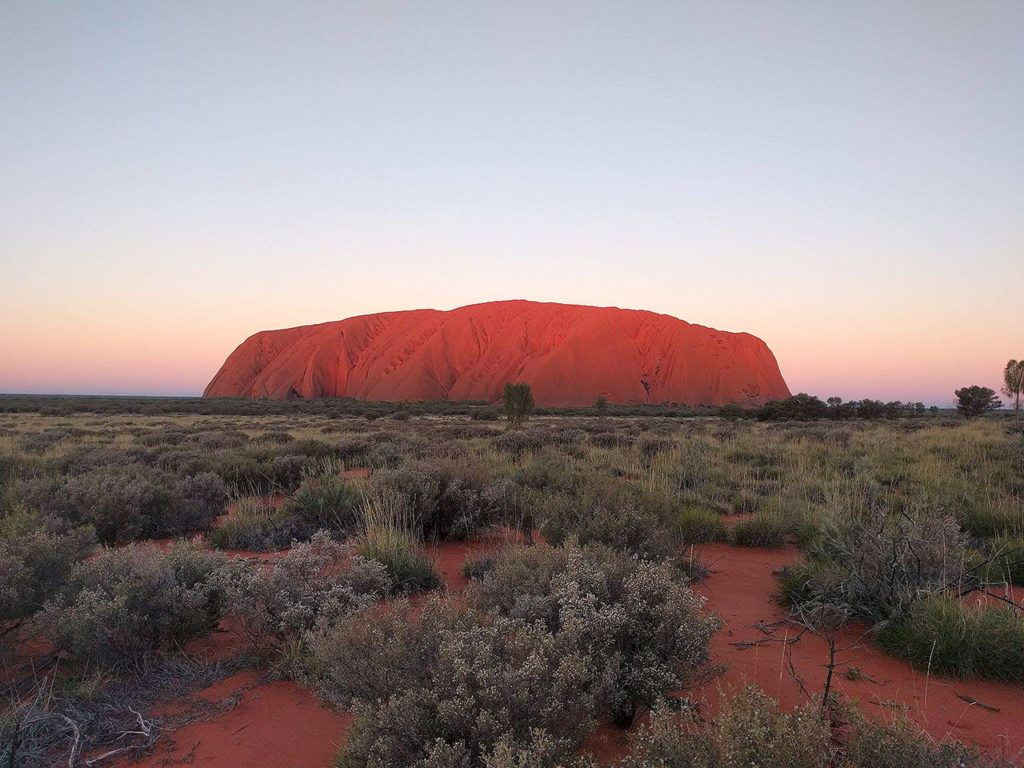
[601, 406]
[518, 403]
[974, 401]
[1013, 382]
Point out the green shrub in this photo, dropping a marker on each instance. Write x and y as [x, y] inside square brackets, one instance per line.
[123, 504]
[697, 525]
[519, 444]
[203, 498]
[941, 634]
[485, 414]
[128, 602]
[1005, 556]
[255, 525]
[326, 502]
[764, 529]
[399, 552]
[634, 528]
[370, 656]
[127, 503]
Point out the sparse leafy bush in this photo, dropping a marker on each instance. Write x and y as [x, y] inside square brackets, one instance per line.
[127, 503]
[875, 565]
[485, 414]
[446, 499]
[203, 498]
[751, 730]
[475, 568]
[631, 527]
[901, 744]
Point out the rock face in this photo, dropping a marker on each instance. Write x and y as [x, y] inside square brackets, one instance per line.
[568, 354]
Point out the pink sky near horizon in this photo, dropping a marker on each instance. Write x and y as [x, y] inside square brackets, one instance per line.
[845, 181]
[135, 350]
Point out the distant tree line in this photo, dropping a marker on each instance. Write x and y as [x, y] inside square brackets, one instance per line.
[804, 407]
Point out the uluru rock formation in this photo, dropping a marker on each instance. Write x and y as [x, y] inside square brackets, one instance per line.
[568, 354]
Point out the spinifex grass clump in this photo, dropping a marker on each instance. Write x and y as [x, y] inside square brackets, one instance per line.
[325, 502]
[388, 535]
[764, 529]
[255, 525]
[940, 634]
[1003, 561]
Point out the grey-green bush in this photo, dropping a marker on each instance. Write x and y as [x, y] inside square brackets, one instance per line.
[637, 622]
[125, 603]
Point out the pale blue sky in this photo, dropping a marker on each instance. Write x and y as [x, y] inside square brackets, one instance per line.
[845, 180]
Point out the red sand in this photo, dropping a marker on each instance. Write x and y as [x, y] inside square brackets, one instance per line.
[742, 591]
[276, 725]
[568, 354]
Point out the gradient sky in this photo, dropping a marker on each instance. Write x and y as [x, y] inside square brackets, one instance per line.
[844, 180]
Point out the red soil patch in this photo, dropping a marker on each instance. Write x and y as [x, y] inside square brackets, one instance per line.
[449, 556]
[275, 500]
[742, 590]
[276, 724]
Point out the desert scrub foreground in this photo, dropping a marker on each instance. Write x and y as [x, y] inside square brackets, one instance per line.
[900, 521]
